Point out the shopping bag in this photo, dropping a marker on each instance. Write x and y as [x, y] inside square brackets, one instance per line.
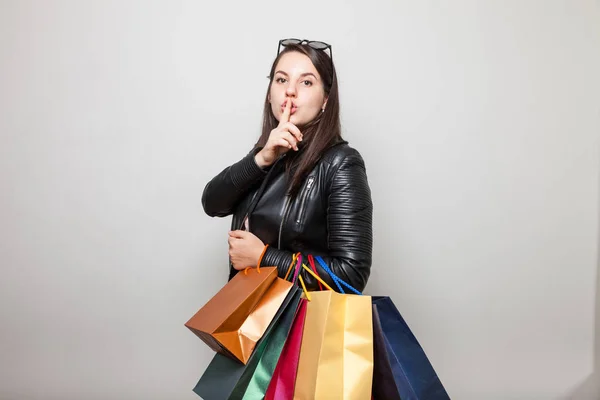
[262, 376]
[402, 369]
[284, 377]
[384, 385]
[225, 378]
[336, 355]
[233, 320]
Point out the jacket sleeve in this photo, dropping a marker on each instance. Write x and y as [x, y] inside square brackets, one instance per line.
[226, 189]
[349, 226]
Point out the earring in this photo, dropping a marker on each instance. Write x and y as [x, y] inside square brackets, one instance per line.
[322, 110]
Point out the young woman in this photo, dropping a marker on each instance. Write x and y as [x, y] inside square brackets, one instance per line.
[302, 188]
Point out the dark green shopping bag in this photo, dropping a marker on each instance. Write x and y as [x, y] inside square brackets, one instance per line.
[227, 379]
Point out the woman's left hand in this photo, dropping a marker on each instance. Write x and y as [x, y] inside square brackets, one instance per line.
[244, 249]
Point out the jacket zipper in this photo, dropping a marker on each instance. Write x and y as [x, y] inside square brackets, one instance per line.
[311, 180]
[285, 210]
[309, 184]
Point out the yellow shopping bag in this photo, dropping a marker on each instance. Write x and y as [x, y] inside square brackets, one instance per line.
[336, 355]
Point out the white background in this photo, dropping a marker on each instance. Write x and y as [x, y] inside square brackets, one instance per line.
[479, 122]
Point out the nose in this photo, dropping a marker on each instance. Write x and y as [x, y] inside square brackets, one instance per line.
[290, 91]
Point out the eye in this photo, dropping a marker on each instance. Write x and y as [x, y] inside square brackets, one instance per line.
[307, 83]
[280, 80]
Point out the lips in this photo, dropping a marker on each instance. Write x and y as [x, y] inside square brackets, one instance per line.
[292, 110]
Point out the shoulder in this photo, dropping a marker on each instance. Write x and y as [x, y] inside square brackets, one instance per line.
[344, 173]
[342, 164]
[341, 153]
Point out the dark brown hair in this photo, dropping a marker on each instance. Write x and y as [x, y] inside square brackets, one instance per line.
[320, 133]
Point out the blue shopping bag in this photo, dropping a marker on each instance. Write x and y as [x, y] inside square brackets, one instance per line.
[400, 357]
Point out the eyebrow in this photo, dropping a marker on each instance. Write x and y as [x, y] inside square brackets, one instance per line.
[303, 75]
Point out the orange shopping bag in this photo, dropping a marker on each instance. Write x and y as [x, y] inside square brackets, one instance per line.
[238, 315]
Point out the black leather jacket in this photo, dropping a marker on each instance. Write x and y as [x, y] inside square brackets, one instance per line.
[331, 216]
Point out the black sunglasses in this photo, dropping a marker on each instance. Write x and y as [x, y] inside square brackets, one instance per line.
[311, 43]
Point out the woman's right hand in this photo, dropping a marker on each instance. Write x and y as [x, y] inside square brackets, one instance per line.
[281, 139]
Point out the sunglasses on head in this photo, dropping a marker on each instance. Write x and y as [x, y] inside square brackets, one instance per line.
[311, 43]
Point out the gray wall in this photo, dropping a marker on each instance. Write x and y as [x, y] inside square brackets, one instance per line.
[479, 123]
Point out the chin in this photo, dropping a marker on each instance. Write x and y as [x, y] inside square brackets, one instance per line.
[299, 118]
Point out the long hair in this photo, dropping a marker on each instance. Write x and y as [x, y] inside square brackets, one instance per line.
[320, 133]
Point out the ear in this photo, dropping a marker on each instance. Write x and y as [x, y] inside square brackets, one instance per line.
[325, 103]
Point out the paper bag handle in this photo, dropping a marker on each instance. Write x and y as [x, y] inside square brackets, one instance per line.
[311, 261]
[335, 278]
[317, 277]
[287, 274]
[296, 258]
[259, 261]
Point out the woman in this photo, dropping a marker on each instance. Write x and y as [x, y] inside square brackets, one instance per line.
[302, 188]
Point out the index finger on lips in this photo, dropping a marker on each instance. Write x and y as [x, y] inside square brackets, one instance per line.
[285, 116]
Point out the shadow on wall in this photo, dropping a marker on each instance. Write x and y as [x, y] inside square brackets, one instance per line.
[590, 388]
